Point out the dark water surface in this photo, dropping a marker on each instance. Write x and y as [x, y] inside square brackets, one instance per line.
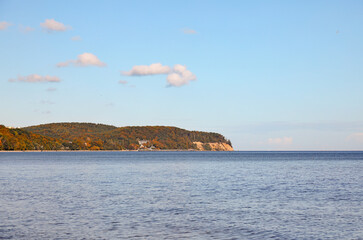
[176, 195]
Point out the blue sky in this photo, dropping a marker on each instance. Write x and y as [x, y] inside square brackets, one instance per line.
[269, 75]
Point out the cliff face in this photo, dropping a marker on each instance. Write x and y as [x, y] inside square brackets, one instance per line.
[213, 146]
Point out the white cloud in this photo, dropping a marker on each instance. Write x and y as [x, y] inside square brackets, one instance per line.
[280, 141]
[177, 76]
[4, 25]
[189, 31]
[142, 70]
[180, 76]
[83, 60]
[33, 78]
[51, 25]
[76, 38]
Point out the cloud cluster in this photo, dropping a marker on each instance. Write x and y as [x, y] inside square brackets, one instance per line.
[180, 76]
[50, 25]
[189, 31]
[4, 25]
[177, 76]
[280, 141]
[143, 70]
[34, 78]
[83, 60]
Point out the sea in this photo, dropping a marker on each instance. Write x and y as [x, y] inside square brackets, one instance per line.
[181, 195]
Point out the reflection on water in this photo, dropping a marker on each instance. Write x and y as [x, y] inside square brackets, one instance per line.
[172, 195]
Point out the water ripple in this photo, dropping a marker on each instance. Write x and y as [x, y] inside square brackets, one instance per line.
[181, 195]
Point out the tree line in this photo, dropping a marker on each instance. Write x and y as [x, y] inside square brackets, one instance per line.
[90, 136]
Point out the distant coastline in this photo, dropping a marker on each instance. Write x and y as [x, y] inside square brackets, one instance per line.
[159, 150]
[100, 137]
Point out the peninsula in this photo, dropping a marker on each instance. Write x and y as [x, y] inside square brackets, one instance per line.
[90, 136]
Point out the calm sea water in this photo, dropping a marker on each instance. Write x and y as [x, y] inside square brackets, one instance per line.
[176, 195]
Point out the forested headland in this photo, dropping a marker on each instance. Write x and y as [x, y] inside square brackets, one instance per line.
[90, 136]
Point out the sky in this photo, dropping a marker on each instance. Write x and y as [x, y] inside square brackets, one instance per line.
[268, 75]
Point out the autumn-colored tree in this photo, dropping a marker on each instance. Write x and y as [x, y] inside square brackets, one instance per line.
[82, 136]
[95, 148]
[133, 146]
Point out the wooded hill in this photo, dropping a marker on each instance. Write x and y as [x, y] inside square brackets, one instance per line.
[89, 136]
[19, 139]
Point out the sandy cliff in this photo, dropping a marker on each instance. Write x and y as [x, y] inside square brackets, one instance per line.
[213, 146]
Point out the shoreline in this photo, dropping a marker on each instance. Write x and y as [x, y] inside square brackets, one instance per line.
[162, 150]
[176, 150]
